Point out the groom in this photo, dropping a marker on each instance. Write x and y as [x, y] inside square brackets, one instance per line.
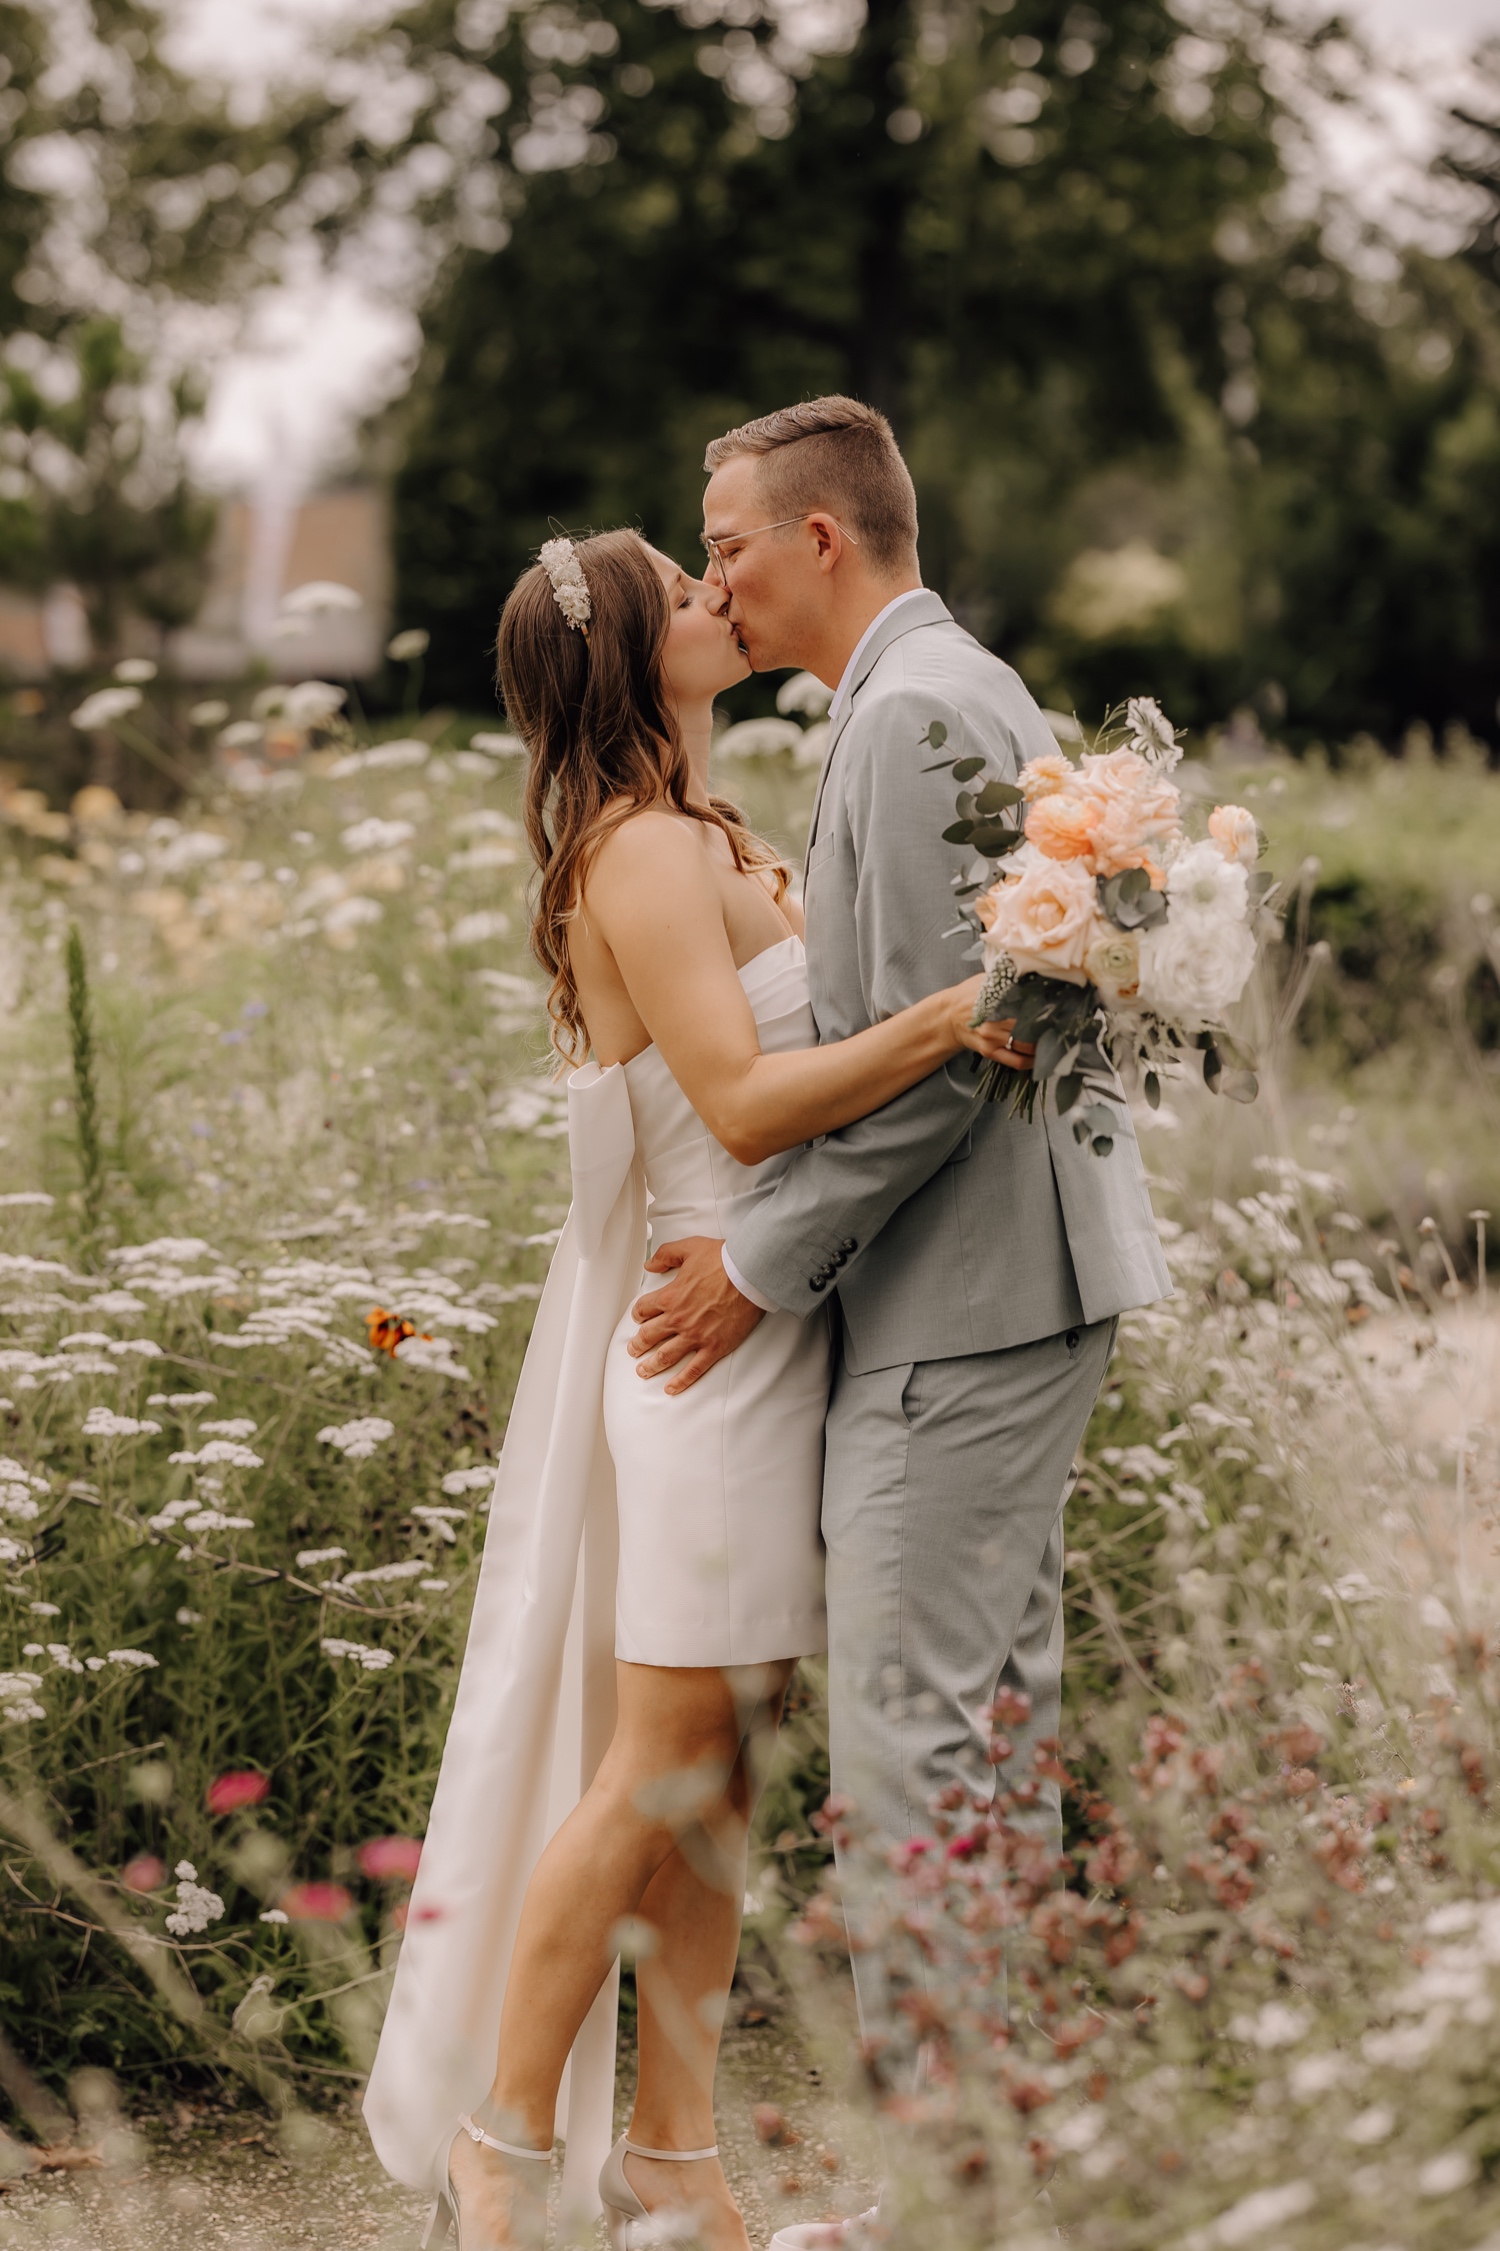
[978, 1263]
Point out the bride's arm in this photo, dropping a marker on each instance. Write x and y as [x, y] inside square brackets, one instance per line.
[651, 896]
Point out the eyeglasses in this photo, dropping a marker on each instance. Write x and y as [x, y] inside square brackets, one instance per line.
[736, 539]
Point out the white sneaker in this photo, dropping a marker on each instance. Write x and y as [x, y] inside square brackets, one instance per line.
[829, 2235]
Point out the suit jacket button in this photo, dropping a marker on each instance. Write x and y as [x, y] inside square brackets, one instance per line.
[849, 1244]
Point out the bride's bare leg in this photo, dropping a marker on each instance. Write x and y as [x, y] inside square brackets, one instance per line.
[693, 1906]
[669, 1777]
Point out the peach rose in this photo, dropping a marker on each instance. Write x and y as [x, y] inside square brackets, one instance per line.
[1123, 777]
[1235, 833]
[1044, 921]
[1121, 841]
[1044, 777]
[1062, 825]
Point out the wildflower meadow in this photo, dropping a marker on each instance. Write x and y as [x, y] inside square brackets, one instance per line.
[283, 1161]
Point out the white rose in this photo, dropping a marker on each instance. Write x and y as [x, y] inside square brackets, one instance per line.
[1203, 884]
[1113, 963]
[1044, 920]
[1194, 967]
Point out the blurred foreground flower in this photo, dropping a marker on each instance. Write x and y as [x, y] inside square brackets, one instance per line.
[318, 598]
[405, 648]
[231, 1791]
[103, 707]
[135, 670]
[144, 1873]
[317, 1903]
[390, 1856]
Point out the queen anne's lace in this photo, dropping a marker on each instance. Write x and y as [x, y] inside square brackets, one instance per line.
[570, 589]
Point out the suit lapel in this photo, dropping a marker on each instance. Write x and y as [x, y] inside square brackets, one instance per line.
[925, 608]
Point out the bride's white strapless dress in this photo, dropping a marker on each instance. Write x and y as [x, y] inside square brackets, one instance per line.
[665, 1531]
[719, 1489]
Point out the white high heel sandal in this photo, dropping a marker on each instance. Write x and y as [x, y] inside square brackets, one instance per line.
[446, 2217]
[622, 2207]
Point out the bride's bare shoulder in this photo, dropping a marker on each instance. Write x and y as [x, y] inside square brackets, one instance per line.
[649, 846]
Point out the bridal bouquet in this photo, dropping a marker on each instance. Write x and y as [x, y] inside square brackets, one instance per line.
[1115, 939]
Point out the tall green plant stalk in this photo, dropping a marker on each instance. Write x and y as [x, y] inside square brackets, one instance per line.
[85, 1090]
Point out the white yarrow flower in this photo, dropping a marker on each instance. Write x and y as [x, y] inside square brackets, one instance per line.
[102, 1422]
[476, 1480]
[196, 1907]
[135, 671]
[357, 1440]
[405, 648]
[360, 1653]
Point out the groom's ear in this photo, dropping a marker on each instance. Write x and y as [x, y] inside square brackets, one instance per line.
[829, 537]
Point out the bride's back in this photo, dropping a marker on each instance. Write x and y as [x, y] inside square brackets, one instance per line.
[622, 827]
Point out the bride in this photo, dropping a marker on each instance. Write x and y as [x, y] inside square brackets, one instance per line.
[652, 1567]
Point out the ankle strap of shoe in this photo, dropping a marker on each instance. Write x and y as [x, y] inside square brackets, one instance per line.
[671, 2156]
[506, 2149]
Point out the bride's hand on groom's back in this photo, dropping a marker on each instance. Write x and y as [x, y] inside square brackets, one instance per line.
[993, 1040]
[696, 1318]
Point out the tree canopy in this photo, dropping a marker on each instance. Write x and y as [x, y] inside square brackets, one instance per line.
[1161, 438]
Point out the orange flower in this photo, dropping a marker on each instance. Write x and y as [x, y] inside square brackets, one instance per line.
[1063, 826]
[387, 1330]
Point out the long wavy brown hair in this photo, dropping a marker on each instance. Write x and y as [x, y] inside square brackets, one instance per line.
[602, 742]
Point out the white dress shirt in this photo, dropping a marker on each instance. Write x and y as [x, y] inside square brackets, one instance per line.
[841, 696]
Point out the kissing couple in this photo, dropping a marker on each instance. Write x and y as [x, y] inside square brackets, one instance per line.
[843, 1414]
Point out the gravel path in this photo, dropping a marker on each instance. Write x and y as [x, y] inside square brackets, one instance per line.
[209, 2178]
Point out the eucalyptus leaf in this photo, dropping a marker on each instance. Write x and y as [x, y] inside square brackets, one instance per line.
[937, 734]
[1068, 1091]
[990, 838]
[960, 833]
[997, 797]
[1152, 1089]
[966, 768]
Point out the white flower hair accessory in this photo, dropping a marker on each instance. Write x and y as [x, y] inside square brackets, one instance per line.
[570, 589]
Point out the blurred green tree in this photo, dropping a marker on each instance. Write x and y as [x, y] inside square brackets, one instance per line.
[1161, 439]
[127, 194]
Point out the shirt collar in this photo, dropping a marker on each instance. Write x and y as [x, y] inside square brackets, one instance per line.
[842, 693]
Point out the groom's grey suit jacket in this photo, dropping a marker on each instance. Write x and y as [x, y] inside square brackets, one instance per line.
[945, 1226]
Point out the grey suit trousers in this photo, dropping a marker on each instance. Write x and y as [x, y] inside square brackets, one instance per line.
[943, 1500]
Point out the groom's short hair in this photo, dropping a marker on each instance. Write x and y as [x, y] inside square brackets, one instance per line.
[832, 453]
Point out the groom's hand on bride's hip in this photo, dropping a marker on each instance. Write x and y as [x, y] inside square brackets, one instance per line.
[695, 1319]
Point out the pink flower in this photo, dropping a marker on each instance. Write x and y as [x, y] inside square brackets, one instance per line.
[317, 1903]
[1235, 833]
[1062, 825]
[390, 1856]
[144, 1873]
[231, 1791]
[1045, 920]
